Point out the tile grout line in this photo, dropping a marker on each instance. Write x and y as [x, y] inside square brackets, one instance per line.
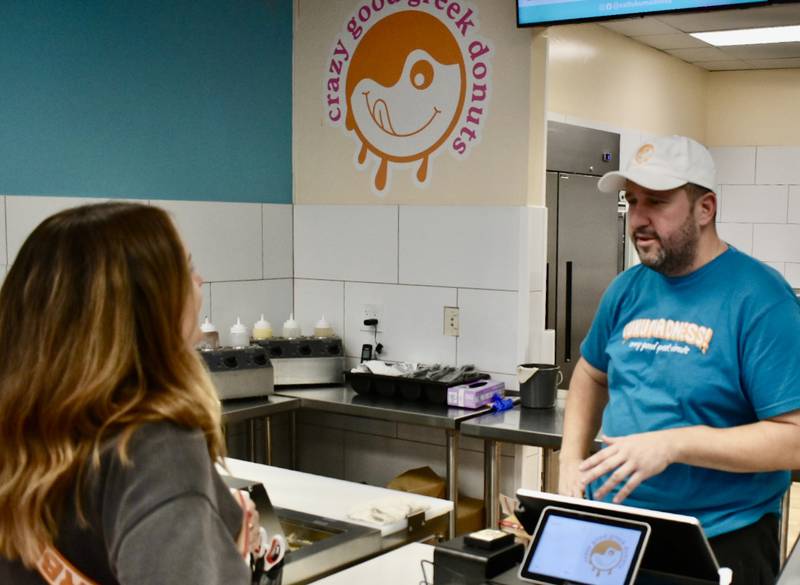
[294, 279]
[398, 244]
[459, 325]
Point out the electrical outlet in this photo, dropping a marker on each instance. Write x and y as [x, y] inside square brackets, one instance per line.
[451, 321]
[371, 312]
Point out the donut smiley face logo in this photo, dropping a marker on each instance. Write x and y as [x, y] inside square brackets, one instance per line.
[606, 555]
[405, 91]
[644, 154]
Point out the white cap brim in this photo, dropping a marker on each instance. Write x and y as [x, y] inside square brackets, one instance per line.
[614, 181]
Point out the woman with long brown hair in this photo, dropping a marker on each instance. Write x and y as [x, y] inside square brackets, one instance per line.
[109, 423]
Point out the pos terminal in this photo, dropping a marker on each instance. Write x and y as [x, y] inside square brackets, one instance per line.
[592, 543]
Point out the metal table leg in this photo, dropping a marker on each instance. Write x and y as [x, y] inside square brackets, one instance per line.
[268, 438]
[293, 439]
[452, 477]
[251, 438]
[491, 482]
[783, 536]
[546, 453]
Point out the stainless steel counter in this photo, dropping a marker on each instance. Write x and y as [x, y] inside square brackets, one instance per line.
[539, 427]
[345, 400]
[249, 409]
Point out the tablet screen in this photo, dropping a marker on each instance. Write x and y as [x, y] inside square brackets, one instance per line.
[583, 548]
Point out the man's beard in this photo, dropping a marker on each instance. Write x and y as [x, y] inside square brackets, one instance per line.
[674, 255]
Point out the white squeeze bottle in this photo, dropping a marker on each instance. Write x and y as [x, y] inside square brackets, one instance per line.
[323, 328]
[291, 328]
[210, 335]
[262, 329]
[239, 335]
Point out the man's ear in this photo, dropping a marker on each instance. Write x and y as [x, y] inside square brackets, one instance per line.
[706, 209]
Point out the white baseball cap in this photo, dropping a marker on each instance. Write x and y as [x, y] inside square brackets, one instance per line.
[663, 164]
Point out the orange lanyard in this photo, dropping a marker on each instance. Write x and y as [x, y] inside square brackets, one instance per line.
[57, 570]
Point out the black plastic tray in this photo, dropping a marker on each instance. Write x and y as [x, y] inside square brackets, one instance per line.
[404, 387]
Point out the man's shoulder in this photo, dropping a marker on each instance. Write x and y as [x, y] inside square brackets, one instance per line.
[630, 277]
[756, 277]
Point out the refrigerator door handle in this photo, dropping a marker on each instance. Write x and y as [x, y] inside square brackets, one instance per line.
[568, 315]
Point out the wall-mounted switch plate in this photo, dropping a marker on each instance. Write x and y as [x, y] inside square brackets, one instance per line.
[451, 326]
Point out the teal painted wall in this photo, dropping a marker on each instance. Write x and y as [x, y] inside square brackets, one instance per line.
[155, 99]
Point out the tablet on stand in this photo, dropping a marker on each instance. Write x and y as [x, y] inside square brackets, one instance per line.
[675, 549]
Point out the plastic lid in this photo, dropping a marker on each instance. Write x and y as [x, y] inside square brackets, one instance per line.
[262, 323]
[291, 328]
[322, 324]
[291, 323]
[238, 327]
[207, 326]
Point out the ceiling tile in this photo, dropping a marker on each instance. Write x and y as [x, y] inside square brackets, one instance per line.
[724, 65]
[774, 15]
[704, 54]
[639, 26]
[774, 63]
[772, 51]
[673, 41]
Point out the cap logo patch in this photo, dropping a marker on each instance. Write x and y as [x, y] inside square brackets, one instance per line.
[644, 154]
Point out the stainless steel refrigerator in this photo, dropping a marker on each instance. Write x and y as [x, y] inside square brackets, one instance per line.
[586, 234]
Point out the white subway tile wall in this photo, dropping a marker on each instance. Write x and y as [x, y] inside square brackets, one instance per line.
[224, 238]
[759, 203]
[738, 235]
[537, 246]
[346, 242]
[248, 300]
[792, 274]
[474, 247]
[314, 299]
[277, 223]
[794, 204]
[779, 266]
[476, 258]
[540, 345]
[735, 165]
[411, 322]
[23, 213]
[489, 324]
[777, 243]
[510, 380]
[754, 203]
[778, 165]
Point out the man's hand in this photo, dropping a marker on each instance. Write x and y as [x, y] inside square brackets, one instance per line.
[630, 460]
[569, 478]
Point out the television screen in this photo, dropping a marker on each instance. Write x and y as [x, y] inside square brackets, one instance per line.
[546, 12]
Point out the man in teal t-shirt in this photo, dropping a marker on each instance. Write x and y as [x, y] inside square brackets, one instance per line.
[692, 367]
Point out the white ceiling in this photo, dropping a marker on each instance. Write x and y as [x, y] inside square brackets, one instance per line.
[669, 33]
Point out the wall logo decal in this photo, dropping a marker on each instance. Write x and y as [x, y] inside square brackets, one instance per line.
[408, 79]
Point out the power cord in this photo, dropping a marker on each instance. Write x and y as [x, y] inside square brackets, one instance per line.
[374, 324]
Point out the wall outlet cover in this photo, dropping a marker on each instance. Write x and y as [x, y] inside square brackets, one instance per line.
[451, 324]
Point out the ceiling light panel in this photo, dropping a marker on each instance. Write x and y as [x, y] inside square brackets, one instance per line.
[750, 36]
